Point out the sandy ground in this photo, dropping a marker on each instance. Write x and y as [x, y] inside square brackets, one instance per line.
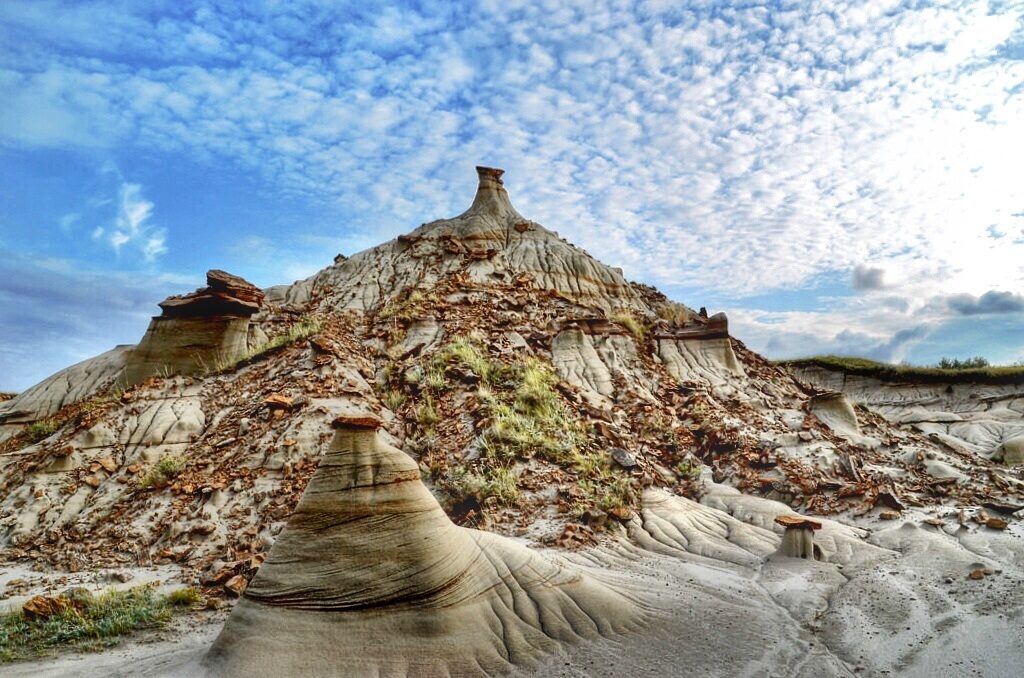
[176, 653]
[910, 612]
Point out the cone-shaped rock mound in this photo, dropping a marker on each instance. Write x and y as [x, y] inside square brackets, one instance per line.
[370, 577]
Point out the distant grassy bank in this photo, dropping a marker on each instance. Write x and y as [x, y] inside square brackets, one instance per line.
[992, 374]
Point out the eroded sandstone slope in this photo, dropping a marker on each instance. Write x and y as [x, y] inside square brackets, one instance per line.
[536, 394]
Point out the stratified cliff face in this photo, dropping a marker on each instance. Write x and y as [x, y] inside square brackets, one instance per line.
[982, 419]
[521, 388]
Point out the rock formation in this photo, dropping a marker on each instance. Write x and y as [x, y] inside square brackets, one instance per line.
[197, 332]
[983, 418]
[547, 430]
[371, 568]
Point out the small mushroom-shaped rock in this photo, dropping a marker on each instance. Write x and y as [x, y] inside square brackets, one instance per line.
[798, 540]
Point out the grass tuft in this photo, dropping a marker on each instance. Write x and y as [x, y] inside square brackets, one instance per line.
[630, 322]
[394, 399]
[426, 414]
[185, 597]
[96, 624]
[161, 473]
[39, 430]
[491, 482]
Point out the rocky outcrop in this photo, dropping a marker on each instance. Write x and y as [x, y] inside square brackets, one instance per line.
[984, 419]
[491, 241]
[67, 387]
[197, 332]
[370, 577]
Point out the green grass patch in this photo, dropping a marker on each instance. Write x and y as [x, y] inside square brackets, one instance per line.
[525, 417]
[39, 430]
[99, 623]
[467, 352]
[608, 491]
[426, 413]
[185, 597]
[1009, 374]
[528, 417]
[394, 399]
[489, 481]
[162, 472]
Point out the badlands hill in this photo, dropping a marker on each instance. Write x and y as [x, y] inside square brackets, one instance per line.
[475, 450]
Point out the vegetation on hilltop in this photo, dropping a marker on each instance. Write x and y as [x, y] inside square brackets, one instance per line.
[948, 370]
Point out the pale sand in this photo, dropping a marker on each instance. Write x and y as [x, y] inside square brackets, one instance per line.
[891, 615]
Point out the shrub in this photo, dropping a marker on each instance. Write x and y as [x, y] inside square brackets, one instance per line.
[992, 374]
[967, 364]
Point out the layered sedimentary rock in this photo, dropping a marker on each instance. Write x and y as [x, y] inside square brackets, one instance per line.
[370, 577]
[982, 418]
[598, 357]
[701, 352]
[197, 332]
[489, 241]
[835, 411]
[69, 386]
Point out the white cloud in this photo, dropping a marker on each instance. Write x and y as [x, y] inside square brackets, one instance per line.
[740, 149]
[132, 225]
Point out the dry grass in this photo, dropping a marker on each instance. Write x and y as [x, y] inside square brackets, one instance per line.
[631, 323]
[675, 313]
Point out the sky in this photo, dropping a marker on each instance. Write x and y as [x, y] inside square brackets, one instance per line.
[838, 177]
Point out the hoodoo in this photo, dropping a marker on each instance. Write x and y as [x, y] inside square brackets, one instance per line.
[491, 197]
[197, 332]
[370, 577]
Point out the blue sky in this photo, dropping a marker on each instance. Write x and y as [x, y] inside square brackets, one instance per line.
[840, 177]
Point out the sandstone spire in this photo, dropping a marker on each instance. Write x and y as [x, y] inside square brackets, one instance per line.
[491, 196]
